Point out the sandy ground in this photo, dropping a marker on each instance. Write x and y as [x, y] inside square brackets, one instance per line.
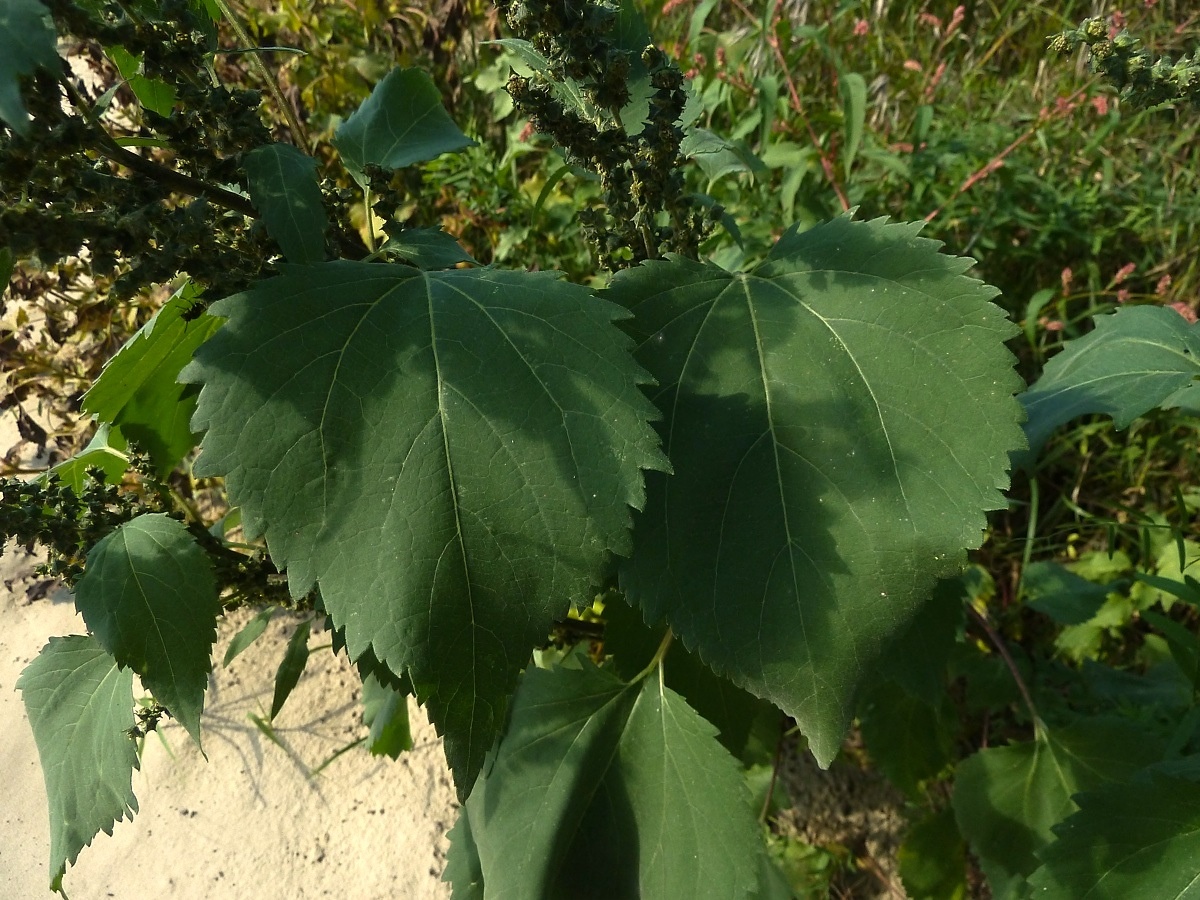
[253, 821]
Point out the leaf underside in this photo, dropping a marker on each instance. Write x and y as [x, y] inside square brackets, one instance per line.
[608, 790]
[1135, 360]
[80, 705]
[838, 420]
[149, 596]
[449, 455]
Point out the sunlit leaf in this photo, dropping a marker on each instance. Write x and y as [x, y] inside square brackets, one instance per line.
[401, 123]
[80, 705]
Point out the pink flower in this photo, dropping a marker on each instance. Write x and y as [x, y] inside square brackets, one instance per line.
[1122, 295]
[1164, 283]
[927, 18]
[1184, 310]
[1050, 324]
[955, 19]
[912, 65]
[671, 5]
[1100, 104]
[1124, 272]
[861, 28]
[1066, 277]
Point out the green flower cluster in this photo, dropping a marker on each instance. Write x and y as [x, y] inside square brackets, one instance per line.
[646, 211]
[1142, 80]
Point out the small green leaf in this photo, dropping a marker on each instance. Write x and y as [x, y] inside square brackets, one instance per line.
[80, 705]
[138, 390]
[838, 420]
[619, 787]
[27, 41]
[401, 123]
[1007, 799]
[154, 94]
[249, 633]
[295, 658]
[1061, 594]
[107, 450]
[1136, 359]
[427, 248]
[718, 157]
[933, 859]
[284, 188]
[854, 111]
[463, 870]
[385, 712]
[1138, 839]
[908, 739]
[149, 596]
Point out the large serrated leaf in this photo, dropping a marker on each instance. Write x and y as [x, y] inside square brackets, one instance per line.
[838, 420]
[450, 455]
[1007, 799]
[1135, 360]
[603, 789]
[149, 596]
[80, 705]
[138, 390]
[27, 41]
[1138, 839]
[284, 188]
[401, 123]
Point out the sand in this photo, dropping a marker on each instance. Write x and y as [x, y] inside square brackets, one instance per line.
[254, 820]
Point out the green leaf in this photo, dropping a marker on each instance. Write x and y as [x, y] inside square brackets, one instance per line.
[933, 859]
[917, 657]
[27, 41]
[249, 633]
[427, 248]
[138, 389]
[854, 111]
[1136, 359]
[291, 667]
[401, 123]
[154, 94]
[632, 644]
[1139, 839]
[603, 789]
[1061, 594]
[1007, 799]
[385, 712]
[107, 450]
[149, 596]
[450, 455]
[718, 157]
[463, 870]
[80, 705]
[284, 188]
[838, 420]
[909, 739]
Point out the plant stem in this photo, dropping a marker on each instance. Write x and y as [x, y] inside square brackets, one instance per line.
[656, 660]
[998, 643]
[299, 135]
[176, 181]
